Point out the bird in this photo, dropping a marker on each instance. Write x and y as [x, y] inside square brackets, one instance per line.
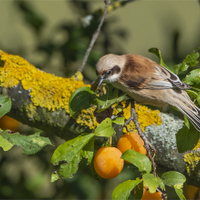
[147, 82]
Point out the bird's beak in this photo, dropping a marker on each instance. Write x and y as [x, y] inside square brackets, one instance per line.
[97, 83]
[100, 80]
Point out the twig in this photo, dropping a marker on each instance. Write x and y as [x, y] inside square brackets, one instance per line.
[147, 144]
[95, 35]
[163, 193]
[152, 161]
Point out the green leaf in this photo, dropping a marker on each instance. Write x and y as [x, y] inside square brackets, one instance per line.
[81, 99]
[111, 97]
[123, 190]
[67, 170]
[193, 78]
[138, 191]
[157, 52]
[71, 153]
[181, 67]
[173, 179]
[190, 60]
[88, 150]
[198, 98]
[192, 93]
[187, 139]
[105, 129]
[139, 160]
[54, 177]
[5, 105]
[5, 144]
[179, 192]
[30, 144]
[152, 182]
[186, 122]
[176, 180]
[195, 88]
[119, 120]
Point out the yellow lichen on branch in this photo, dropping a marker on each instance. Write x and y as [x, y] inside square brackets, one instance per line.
[53, 92]
[197, 146]
[192, 161]
[45, 90]
[145, 116]
[87, 118]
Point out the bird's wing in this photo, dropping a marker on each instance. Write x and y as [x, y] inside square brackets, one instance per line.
[158, 84]
[164, 79]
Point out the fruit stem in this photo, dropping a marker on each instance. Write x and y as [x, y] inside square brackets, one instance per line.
[110, 142]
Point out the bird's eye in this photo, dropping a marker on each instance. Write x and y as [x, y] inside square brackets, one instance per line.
[109, 72]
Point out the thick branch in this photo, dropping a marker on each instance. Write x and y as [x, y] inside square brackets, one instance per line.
[56, 122]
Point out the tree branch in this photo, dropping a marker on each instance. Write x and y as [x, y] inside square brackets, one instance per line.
[95, 36]
[41, 100]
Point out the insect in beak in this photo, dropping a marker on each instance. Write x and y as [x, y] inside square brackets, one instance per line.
[97, 83]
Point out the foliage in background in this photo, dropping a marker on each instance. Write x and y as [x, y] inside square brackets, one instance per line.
[26, 183]
[77, 36]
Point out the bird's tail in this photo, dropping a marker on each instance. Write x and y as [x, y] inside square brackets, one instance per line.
[183, 102]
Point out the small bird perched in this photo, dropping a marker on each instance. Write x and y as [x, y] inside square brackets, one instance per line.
[147, 83]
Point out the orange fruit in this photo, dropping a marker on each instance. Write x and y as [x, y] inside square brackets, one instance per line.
[147, 195]
[108, 162]
[9, 123]
[192, 192]
[132, 141]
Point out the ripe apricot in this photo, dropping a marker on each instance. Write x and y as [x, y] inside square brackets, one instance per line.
[9, 123]
[132, 141]
[108, 162]
[147, 195]
[192, 192]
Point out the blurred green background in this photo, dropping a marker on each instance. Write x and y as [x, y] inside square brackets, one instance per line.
[52, 36]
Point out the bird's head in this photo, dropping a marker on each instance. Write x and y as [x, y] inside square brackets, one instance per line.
[109, 68]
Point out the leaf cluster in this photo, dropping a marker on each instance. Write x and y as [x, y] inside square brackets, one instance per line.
[78, 34]
[69, 154]
[30, 144]
[84, 98]
[124, 190]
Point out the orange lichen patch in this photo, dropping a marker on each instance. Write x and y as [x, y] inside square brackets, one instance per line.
[46, 90]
